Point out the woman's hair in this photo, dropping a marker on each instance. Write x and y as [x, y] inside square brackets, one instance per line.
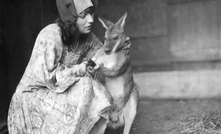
[68, 30]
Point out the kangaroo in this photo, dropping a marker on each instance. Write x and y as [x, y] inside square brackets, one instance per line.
[113, 60]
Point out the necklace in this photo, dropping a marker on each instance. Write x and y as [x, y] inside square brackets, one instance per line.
[71, 49]
[76, 46]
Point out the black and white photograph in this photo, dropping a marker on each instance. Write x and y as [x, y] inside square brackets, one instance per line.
[110, 66]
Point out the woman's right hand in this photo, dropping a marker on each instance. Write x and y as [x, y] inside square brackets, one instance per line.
[90, 67]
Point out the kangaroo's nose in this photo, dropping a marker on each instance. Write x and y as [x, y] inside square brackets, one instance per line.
[107, 50]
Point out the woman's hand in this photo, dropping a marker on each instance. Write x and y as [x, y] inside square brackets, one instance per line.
[90, 67]
[80, 69]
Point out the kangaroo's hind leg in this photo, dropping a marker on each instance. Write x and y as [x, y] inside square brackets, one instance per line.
[130, 111]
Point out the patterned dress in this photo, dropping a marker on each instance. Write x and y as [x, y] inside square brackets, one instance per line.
[50, 98]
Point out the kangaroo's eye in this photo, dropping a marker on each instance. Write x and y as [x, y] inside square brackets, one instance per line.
[115, 38]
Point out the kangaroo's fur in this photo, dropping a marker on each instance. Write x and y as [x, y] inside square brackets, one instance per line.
[114, 61]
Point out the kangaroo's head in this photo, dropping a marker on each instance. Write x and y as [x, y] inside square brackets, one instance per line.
[115, 52]
[115, 39]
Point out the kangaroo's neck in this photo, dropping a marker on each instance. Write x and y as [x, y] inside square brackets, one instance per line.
[117, 70]
[120, 87]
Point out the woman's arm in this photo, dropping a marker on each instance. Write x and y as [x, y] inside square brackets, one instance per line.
[60, 77]
[46, 60]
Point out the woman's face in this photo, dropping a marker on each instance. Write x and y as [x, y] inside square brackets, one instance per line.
[85, 20]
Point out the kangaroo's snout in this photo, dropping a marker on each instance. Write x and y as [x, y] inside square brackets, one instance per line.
[107, 50]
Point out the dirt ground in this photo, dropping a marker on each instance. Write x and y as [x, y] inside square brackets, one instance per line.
[160, 116]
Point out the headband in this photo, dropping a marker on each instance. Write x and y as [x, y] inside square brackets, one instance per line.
[70, 9]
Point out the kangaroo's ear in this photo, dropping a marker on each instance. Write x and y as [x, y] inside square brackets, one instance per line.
[121, 21]
[105, 23]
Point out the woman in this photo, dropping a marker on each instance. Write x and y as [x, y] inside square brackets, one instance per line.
[56, 94]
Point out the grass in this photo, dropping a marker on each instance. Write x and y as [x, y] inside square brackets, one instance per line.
[207, 123]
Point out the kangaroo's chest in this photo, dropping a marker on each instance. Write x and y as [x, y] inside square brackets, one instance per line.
[113, 60]
[110, 61]
[116, 86]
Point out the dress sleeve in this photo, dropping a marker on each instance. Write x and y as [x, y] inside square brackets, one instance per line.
[58, 77]
[45, 63]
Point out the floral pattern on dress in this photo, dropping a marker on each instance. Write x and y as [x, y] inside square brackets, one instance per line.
[50, 99]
